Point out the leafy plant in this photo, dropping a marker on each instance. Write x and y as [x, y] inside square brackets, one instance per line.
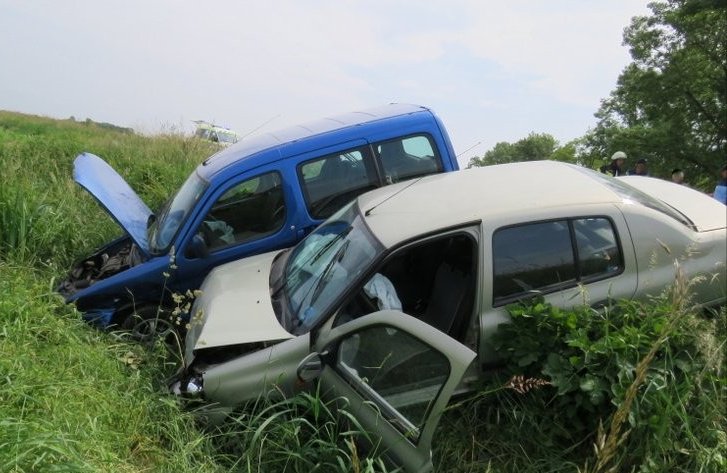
[644, 368]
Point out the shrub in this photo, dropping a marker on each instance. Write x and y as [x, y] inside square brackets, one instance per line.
[651, 371]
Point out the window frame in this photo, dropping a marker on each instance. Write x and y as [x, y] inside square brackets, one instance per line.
[579, 279]
[367, 159]
[371, 161]
[222, 193]
[389, 412]
[471, 230]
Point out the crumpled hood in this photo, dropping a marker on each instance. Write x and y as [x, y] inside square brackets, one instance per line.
[706, 213]
[115, 195]
[234, 307]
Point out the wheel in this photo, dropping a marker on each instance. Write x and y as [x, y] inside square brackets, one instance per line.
[149, 323]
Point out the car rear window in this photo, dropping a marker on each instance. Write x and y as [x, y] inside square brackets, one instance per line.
[631, 194]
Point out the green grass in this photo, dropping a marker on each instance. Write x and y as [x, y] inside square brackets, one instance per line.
[76, 399]
[70, 400]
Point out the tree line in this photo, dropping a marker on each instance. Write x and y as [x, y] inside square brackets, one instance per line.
[669, 105]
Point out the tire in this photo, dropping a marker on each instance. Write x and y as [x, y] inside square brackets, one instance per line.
[148, 323]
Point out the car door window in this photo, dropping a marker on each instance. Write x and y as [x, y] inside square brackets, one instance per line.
[532, 257]
[332, 181]
[542, 257]
[252, 209]
[404, 374]
[406, 158]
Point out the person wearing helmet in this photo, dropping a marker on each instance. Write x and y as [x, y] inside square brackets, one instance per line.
[616, 168]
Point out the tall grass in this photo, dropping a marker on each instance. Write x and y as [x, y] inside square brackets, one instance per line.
[300, 434]
[68, 399]
[44, 215]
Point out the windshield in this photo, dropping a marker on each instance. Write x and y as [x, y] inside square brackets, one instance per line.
[323, 266]
[174, 213]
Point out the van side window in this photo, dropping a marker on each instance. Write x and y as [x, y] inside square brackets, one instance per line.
[542, 257]
[407, 158]
[250, 210]
[332, 181]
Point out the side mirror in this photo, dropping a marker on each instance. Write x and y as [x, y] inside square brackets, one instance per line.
[310, 367]
[197, 248]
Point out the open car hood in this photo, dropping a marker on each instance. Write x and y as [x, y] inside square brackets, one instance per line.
[114, 194]
[234, 307]
[706, 213]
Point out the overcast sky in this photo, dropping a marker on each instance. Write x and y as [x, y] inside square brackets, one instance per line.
[492, 70]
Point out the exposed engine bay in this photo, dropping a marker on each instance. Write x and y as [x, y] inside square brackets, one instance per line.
[112, 259]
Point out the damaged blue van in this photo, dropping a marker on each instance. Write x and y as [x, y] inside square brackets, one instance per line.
[258, 195]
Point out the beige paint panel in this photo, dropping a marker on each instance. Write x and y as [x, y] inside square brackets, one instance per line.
[706, 213]
[235, 306]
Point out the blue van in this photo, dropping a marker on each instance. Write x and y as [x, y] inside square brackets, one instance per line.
[258, 195]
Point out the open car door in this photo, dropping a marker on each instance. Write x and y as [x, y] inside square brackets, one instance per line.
[394, 374]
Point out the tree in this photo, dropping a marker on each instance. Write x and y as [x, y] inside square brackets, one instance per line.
[670, 103]
[535, 146]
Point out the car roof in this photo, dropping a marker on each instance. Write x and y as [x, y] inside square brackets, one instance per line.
[408, 209]
[305, 137]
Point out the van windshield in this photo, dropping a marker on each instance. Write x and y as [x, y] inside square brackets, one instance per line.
[174, 213]
[324, 265]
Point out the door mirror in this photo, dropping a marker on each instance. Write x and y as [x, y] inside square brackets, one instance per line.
[310, 367]
[197, 248]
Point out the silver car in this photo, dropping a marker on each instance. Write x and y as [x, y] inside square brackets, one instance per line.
[388, 300]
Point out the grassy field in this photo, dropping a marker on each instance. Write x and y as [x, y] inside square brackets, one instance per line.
[76, 399]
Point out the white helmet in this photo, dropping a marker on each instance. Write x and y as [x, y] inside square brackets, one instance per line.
[618, 155]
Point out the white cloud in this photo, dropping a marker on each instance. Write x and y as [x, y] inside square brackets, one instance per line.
[139, 62]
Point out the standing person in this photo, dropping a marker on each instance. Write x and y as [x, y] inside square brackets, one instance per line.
[720, 191]
[616, 168]
[677, 176]
[640, 169]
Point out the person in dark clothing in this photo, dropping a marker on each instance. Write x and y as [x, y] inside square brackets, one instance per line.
[616, 167]
[640, 169]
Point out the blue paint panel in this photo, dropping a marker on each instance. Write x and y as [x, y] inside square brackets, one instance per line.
[115, 195]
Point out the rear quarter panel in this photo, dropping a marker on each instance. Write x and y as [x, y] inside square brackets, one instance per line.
[665, 248]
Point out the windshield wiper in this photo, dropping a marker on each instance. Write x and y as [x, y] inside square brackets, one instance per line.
[338, 256]
[317, 289]
[310, 260]
[328, 245]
